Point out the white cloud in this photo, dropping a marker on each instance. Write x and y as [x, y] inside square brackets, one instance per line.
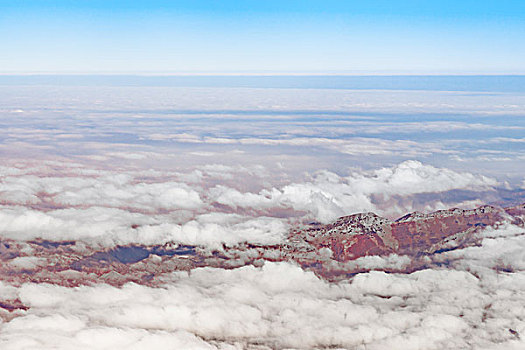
[329, 196]
[278, 306]
[206, 205]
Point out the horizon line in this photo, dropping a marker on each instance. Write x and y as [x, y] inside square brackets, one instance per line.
[256, 74]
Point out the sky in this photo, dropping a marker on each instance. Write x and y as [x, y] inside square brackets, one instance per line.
[326, 37]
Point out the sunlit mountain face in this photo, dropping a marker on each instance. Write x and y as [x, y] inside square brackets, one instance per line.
[262, 213]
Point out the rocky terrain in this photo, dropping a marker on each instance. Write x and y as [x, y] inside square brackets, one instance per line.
[350, 245]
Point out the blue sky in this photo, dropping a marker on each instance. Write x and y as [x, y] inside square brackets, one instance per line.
[263, 36]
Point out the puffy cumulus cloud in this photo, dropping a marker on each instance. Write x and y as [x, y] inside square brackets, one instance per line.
[413, 177]
[230, 231]
[115, 190]
[107, 227]
[66, 332]
[95, 223]
[208, 205]
[282, 306]
[329, 195]
[501, 249]
[392, 261]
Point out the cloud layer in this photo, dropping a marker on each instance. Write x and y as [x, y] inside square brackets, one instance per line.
[468, 305]
[303, 129]
[208, 167]
[205, 206]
